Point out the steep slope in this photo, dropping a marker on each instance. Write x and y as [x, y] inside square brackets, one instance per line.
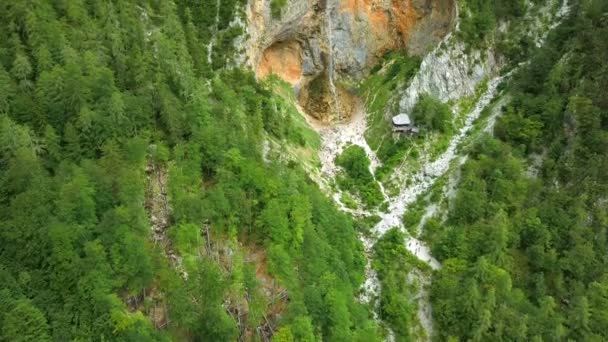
[152, 189]
[138, 202]
[524, 233]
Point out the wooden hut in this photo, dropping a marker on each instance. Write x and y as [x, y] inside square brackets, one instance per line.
[402, 123]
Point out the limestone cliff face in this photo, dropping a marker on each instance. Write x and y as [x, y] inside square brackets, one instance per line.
[338, 39]
[449, 73]
[366, 29]
[361, 31]
[452, 71]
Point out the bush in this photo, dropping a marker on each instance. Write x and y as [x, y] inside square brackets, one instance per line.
[357, 175]
[481, 16]
[276, 6]
[432, 114]
[355, 163]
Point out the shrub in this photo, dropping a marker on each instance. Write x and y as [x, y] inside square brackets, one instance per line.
[358, 177]
[276, 6]
[432, 114]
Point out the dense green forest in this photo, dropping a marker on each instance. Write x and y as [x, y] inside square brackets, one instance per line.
[524, 248]
[100, 103]
[137, 202]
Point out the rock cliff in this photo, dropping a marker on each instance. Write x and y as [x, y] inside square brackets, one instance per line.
[319, 41]
[449, 73]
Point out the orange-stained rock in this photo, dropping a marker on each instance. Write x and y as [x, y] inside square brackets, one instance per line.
[283, 59]
[314, 39]
[405, 18]
[377, 17]
[361, 30]
[390, 25]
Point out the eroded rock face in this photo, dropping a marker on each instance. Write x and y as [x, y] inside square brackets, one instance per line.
[449, 73]
[297, 25]
[367, 29]
[318, 100]
[362, 30]
[283, 59]
[341, 39]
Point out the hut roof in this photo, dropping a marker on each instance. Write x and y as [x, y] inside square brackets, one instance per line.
[401, 120]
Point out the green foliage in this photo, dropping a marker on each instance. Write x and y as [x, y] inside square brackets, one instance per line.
[283, 335]
[358, 177]
[296, 128]
[479, 22]
[95, 94]
[24, 322]
[524, 253]
[186, 238]
[479, 17]
[393, 262]
[355, 163]
[432, 114]
[109, 110]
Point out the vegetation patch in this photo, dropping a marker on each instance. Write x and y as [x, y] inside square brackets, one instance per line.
[478, 18]
[365, 224]
[357, 177]
[431, 114]
[394, 265]
[94, 96]
[276, 7]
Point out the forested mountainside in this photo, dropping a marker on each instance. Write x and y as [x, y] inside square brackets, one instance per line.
[202, 170]
[136, 204]
[523, 244]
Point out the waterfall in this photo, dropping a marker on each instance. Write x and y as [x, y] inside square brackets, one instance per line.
[331, 65]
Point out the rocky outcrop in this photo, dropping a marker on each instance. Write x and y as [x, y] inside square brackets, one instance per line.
[284, 59]
[362, 31]
[320, 101]
[449, 73]
[366, 29]
[338, 39]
